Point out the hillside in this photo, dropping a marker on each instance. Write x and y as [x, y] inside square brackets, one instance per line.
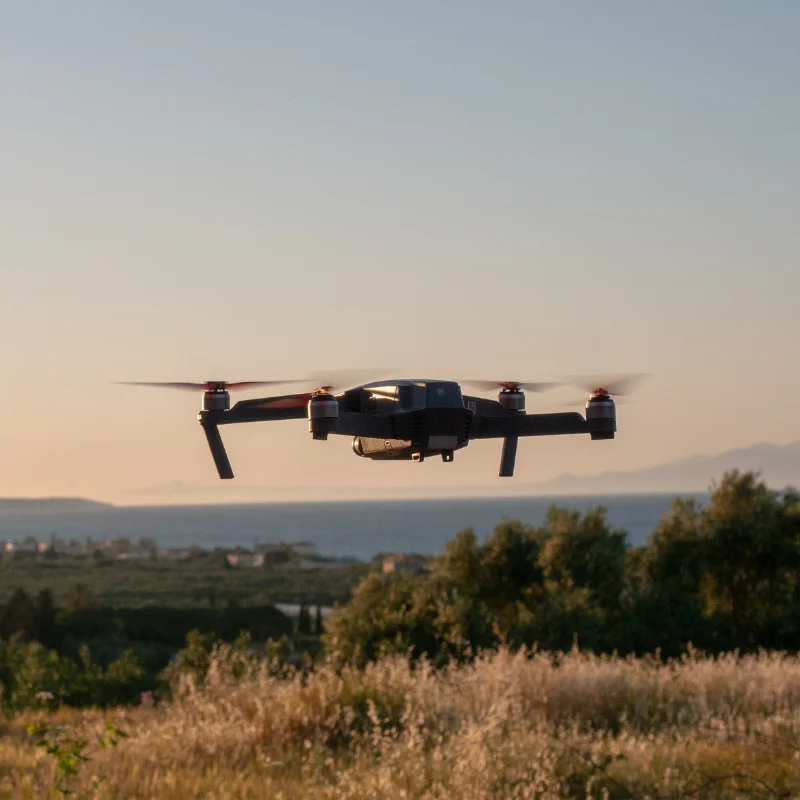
[49, 505]
[779, 465]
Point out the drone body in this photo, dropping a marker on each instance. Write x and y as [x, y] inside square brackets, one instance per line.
[408, 420]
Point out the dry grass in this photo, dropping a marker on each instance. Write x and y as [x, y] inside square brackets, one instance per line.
[509, 725]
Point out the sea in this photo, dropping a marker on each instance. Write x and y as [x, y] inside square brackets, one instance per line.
[358, 530]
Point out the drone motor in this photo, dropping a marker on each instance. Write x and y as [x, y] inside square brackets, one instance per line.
[601, 415]
[323, 415]
[216, 399]
[512, 399]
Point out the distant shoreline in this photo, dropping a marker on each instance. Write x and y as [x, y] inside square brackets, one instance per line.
[51, 504]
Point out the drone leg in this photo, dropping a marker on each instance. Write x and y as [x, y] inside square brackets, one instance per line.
[218, 451]
[509, 456]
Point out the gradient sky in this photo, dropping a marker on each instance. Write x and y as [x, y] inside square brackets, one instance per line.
[249, 190]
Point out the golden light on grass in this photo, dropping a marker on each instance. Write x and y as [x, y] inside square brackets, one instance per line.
[516, 725]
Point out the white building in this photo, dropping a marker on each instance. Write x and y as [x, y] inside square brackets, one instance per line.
[245, 559]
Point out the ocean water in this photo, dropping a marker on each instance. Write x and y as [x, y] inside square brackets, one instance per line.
[357, 529]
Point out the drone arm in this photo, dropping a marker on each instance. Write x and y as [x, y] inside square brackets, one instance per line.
[512, 425]
[241, 413]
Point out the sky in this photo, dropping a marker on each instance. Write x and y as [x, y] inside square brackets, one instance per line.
[514, 190]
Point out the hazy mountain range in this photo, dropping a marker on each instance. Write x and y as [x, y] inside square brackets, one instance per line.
[54, 505]
[778, 464]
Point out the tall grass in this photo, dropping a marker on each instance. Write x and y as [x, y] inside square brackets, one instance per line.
[516, 725]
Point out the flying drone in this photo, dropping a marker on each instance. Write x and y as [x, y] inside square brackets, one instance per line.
[408, 420]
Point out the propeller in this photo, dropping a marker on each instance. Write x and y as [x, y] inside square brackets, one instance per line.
[328, 382]
[619, 386]
[334, 381]
[512, 386]
[206, 386]
[615, 385]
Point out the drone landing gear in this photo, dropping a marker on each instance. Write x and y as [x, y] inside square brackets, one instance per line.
[509, 457]
[447, 456]
[218, 451]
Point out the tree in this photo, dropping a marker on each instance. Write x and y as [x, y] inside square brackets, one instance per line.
[46, 628]
[461, 563]
[79, 597]
[304, 620]
[511, 573]
[753, 559]
[667, 578]
[19, 617]
[583, 561]
[318, 622]
[385, 615]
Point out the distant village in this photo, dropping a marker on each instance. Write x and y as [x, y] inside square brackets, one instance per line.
[299, 555]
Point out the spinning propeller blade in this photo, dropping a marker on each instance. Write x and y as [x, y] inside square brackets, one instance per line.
[205, 386]
[615, 385]
[528, 386]
[328, 382]
[334, 381]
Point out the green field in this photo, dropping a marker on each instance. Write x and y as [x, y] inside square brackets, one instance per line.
[203, 581]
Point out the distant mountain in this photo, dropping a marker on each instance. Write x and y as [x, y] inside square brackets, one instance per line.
[778, 464]
[49, 505]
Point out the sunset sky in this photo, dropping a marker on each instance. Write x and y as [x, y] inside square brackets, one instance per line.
[519, 190]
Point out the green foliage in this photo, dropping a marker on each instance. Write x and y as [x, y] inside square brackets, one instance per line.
[69, 753]
[193, 659]
[401, 613]
[192, 663]
[109, 656]
[752, 556]
[31, 676]
[19, 617]
[722, 577]
[79, 597]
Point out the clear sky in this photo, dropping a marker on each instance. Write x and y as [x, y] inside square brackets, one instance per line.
[249, 190]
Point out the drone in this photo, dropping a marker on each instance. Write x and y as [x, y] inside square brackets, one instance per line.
[407, 420]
